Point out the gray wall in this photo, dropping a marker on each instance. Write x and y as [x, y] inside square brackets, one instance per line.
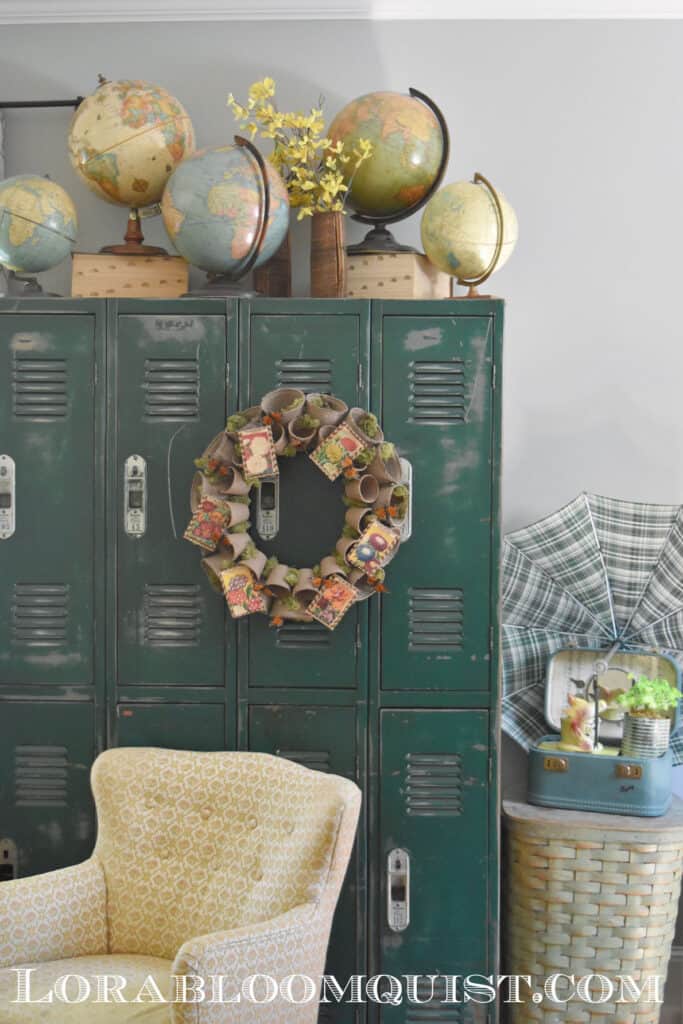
[579, 123]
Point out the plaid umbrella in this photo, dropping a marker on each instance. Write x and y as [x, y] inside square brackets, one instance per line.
[598, 571]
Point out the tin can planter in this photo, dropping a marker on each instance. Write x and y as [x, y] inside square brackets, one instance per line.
[328, 255]
[387, 470]
[343, 545]
[329, 566]
[304, 589]
[277, 581]
[280, 438]
[290, 610]
[220, 451]
[256, 563]
[327, 409]
[286, 403]
[645, 737]
[249, 416]
[358, 518]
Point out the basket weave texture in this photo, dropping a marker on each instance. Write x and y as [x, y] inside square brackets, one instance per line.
[590, 894]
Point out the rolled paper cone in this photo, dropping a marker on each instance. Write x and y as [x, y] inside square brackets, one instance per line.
[235, 482]
[365, 488]
[252, 415]
[239, 513]
[275, 401]
[276, 581]
[343, 545]
[280, 438]
[330, 414]
[325, 431]
[255, 563]
[220, 448]
[306, 437]
[202, 488]
[387, 472]
[282, 610]
[213, 565]
[329, 566]
[304, 589]
[357, 517]
[355, 415]
[383, 499]
[235, 543]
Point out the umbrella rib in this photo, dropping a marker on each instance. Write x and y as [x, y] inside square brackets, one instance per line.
[650, 578]
[655, 622]
[564, 590]
[602, 563]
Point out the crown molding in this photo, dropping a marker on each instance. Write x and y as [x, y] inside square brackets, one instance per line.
[29, 12]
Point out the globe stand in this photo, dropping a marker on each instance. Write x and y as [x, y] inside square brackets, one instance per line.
[222, 286]
[472, 283]
[22, 286]
[379, 239]
[133, 240]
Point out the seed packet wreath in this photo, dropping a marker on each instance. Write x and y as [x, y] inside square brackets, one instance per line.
[340, 442]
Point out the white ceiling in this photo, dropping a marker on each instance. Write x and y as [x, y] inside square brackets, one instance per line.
[41, 11]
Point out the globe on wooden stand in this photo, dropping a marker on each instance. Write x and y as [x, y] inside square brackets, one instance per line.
[226, 211]
[410, 150]
[125, 141]
[469, 230]
[38, 226]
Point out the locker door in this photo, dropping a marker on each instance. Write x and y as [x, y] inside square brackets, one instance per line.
[176, 726]
[46, 809]
[301, 346]
[434, 807]
[170, 401]
[322, 738]
[436, 380]
[48, 566]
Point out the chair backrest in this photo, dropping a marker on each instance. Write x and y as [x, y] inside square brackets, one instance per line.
[192, 843]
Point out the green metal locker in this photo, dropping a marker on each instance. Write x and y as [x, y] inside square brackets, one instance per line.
[403, 696]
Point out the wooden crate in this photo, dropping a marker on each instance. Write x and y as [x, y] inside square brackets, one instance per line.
[105, 276]
[590, 894]
[395, 275]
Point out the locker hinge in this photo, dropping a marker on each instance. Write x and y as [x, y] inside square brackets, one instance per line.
[358, 638]
[359, 376]
[493, 376]
[227, 376]
[491, 638]
[95, 375]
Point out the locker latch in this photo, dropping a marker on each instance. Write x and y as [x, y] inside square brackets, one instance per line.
[398, 890]
[135, 496]
[8, 860]
[268, 508]
[7, 497]
[407, 481]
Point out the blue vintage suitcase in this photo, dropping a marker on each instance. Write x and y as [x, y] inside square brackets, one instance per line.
[595, 782]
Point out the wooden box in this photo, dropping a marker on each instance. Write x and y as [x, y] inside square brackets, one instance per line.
[105, 276]
[395, 275]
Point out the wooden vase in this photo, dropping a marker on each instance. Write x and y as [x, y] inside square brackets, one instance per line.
[274, 278]
[328, 256]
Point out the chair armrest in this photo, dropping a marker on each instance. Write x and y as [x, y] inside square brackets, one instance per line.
[294, 943]
[54, 915]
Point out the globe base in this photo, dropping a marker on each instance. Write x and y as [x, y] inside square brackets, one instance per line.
[220, 286]
[133, 239]
[379, 239]
[22, 286]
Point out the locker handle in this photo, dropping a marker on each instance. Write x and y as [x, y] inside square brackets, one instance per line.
[398, 890]
[8, 512]
[407, 480]
[135, 496]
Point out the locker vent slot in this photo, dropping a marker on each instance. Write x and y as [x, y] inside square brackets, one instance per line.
[318, 760]
[435, 619]
[437, 1010]
[305, 374]
[39, 388]
[40, 613]
[172, 614]
[171, 389]
[303, 636]
[437, 392]
[40, 776]
[433, 785]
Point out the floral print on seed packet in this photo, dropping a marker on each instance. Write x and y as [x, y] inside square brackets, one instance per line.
[241, 594]
[333, 601]
[258, 451]
[340, 446]
[206, 527]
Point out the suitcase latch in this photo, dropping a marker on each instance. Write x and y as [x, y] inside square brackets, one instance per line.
[555, 764]
[629, 771]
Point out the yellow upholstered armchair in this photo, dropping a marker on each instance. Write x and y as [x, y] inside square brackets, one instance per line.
[209, 869]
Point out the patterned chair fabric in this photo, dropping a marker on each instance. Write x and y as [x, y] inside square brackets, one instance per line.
[209, 864]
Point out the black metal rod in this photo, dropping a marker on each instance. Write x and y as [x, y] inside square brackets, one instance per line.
[23, 104]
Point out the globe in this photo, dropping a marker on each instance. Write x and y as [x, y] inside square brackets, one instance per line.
[408, 151]
[38, 224]
[212, 207]
[126, 139]
[460, 230]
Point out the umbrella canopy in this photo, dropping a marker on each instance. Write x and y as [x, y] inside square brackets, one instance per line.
[597, 572]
